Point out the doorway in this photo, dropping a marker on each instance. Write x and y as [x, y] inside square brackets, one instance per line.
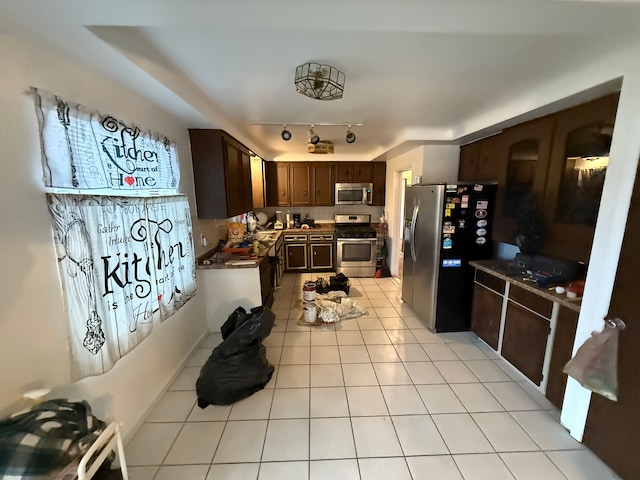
[404, 180]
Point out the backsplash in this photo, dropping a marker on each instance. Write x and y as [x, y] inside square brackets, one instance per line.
[326, 214]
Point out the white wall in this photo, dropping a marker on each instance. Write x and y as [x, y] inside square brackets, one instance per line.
[33, 346]
[436, 164]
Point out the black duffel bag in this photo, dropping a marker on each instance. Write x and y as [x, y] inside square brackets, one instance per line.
[238, 367]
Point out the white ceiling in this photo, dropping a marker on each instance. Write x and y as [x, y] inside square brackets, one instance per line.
[416, 70]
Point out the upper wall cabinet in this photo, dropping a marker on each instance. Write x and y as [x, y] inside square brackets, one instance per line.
[379, 174]
[222, 174]
[559, 160]
[300, 183]
[277, 181]
[313, 183]
[323, 184]
[524, 158]
[577, 167]
[357, 172]
[480, 160]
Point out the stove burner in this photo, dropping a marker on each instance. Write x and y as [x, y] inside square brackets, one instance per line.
[355, 232]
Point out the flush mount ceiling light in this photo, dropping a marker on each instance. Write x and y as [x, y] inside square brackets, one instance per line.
[313, 138]
[322, 82]
[350, 137]
[285, 134]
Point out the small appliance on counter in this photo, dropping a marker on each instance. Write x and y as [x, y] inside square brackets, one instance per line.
[279, 222]
[296, 220]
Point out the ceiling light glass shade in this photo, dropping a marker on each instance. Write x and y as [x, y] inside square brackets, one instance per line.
[313, 138]
[322, 82]
[285, 134]
[350, 137]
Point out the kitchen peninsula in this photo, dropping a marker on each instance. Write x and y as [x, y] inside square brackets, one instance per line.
[531, 327]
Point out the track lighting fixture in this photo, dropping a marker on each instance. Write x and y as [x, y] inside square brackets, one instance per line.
[350, 137]
[313, 138]
[285, 134]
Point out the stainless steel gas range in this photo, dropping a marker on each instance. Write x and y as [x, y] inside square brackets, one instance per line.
[356, 245]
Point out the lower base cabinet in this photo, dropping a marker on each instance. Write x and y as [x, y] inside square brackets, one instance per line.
[530, 331]
[524, 342]
[486, 314]
[321, 256]
[266, 285]
[296, 256]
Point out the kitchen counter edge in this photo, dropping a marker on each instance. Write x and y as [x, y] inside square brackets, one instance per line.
[486, 266]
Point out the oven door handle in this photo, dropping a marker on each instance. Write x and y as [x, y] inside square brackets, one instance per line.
[412, 242]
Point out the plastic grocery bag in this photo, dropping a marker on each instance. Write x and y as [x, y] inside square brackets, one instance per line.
[595, 364]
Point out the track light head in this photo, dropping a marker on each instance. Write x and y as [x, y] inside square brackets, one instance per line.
[350, 137]
[285, 134]
[313, 138]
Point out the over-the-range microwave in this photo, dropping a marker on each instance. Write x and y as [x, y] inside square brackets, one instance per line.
[354, 193]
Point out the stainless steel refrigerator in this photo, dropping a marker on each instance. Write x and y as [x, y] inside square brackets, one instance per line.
[445, 226]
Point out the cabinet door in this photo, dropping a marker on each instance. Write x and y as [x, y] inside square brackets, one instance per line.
[277, 178]
[266, 285]
[208, 172]
[344, 172]
[323, 185]
[296, 256]
[524, 159]
[258, 183]
[525, 341]
[468, 167]
[490, 160]
[234, 171]
[246, 185]
[561, 354]
[577, 167]
[379, 173]
[321, 255]
[300, 183]
[485, 316]
[362, 172]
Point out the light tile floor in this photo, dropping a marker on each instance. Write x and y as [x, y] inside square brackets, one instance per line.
[380, 397]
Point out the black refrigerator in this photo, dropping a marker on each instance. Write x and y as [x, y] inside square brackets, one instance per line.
[445, 227]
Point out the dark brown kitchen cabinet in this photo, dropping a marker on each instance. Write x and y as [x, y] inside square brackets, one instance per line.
[487, 308]
[379, 176]
[266, 287]
[277, 180]
[561, 354]
[321, 256]
[362, 172]
[524, 159]
[469, 159]
[300, 183]
[577, 167]
[222, 174]
[296, 256]
[524, 341]
[344, 172]
[323, 184]
[356, 172]
[480, 160]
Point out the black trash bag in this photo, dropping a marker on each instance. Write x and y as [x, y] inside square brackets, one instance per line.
[238, 367]
[237, 318]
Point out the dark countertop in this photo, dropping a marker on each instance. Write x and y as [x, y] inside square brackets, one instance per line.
[318, 228]
[500, 269]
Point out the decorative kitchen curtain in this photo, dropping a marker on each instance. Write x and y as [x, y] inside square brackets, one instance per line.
[124, 263]
[86, 152]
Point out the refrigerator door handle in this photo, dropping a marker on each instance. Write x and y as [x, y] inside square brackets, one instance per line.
[414, 218]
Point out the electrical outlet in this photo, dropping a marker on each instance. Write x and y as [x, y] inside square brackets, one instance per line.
[203, 240]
